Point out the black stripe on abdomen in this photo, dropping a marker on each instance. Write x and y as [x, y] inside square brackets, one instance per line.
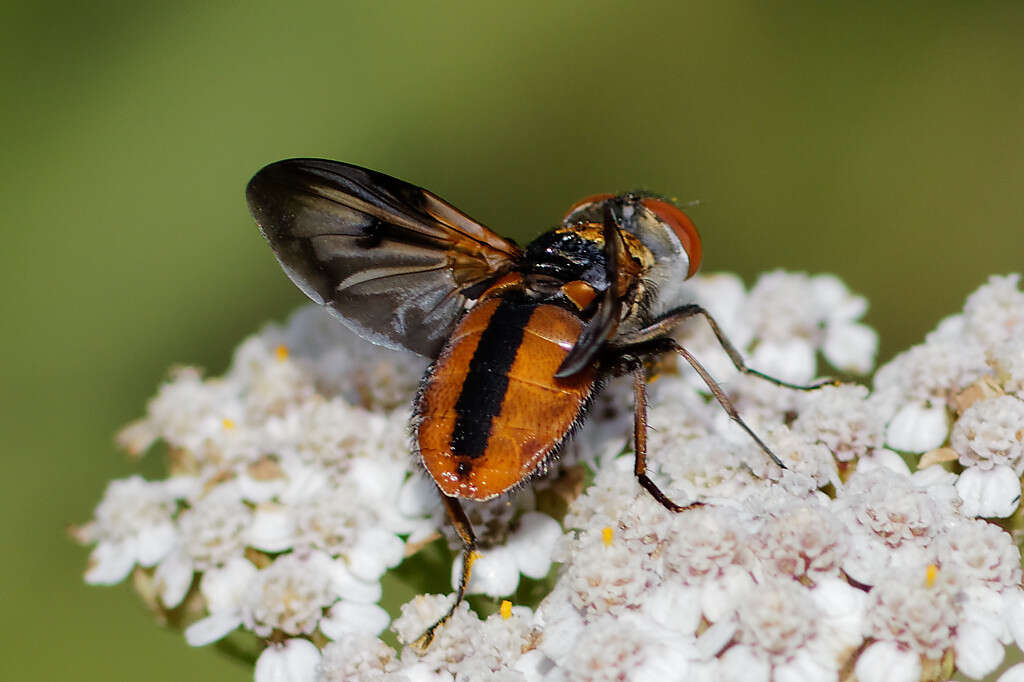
[486, 383]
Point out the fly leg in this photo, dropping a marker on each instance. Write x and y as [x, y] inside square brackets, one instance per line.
[722, 399]
[664, 325]
[465, 530]
[655, 339]
[640, 440]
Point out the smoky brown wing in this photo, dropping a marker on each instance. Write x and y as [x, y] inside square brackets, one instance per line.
[391, 260]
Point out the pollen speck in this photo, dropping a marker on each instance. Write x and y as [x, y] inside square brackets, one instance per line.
[506, 609]
[929, 575]
[281, 352]
[228, 423]
[606, 535]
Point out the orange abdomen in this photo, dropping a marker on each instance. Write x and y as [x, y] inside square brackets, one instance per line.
[491, 411]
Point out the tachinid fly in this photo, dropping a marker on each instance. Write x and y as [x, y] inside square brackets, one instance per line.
[522, 340]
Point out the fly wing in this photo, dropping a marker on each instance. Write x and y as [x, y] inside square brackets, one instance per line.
[394, 262]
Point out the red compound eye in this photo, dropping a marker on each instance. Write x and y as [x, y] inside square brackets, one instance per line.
[592, 199]
[684, 228]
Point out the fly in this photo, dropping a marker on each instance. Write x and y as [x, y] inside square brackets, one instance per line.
[521, 340]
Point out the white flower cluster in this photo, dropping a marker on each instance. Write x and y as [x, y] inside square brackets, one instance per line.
[291, 494]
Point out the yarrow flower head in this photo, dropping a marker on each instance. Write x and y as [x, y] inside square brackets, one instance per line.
[920, 615]
[843, 419]
[887, 548]
[133, 525]
[991, 433]
[806, 542]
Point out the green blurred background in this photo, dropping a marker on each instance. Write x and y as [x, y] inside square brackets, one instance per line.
[882, 142]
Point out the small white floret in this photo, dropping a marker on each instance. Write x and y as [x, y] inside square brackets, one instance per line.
[742, 663]
[214, 627]
[1013, 674]
[918, 428]
[495, 572]
[289, 595]
[173, 578]
[356, 657]
[533, 542]
[978, 652]
[842, 607]
[561, 623]
[272, 528]
[294, 660]
[885, 661]
[804, 666]
[224, 590]
[1013, 614]
[850, 347]
[132, 525]
[375, 551]
[351, 618]
[674, 607]
[886, 458]
[792, 360]
[992, 494]
[110, 563]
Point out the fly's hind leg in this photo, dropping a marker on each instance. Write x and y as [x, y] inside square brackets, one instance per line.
[465, 530]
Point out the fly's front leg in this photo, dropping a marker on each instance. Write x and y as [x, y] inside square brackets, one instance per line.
[722, 399]
[640, 442]
[465, 530]
[664, 325]
[654, 339]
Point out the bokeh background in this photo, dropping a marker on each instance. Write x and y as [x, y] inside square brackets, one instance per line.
[880, 141]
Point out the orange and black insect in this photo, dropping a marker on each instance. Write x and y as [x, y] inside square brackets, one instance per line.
[521, 340]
